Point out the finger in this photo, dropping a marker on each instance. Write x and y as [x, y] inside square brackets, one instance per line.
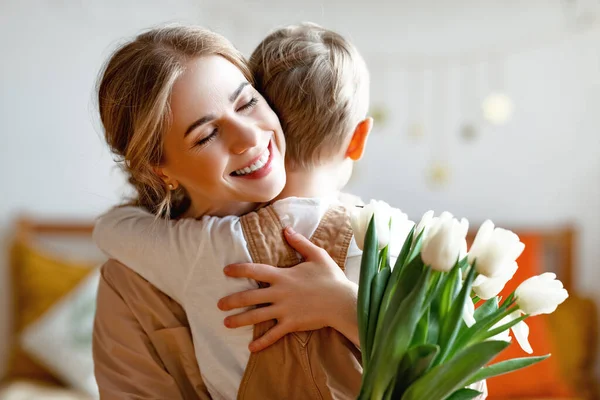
[258, 272]
[270, 337]
[302, 245]
[246, 298]
[250, 317]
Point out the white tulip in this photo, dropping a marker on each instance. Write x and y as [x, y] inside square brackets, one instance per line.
[494, 249]
[520, 331]
[400, 224]
[540, 294]
[469, 313]
[401, 227]
[443, 241]
[424, 224]
[485, 288]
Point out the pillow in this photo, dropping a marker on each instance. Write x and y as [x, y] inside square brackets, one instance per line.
[25, 390]
[543, 379]
[41, 275]
[61, 339]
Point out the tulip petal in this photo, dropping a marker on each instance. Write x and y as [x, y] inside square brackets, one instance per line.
[468, 313]
[483, 236]
[521, 333]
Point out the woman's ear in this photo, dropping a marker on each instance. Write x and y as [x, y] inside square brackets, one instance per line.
[357, 145]
[162, 174]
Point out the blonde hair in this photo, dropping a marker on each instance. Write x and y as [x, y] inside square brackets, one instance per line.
[318, 84]
[134, 90]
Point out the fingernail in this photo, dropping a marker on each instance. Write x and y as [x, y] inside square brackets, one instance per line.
[252, 347]
[290, 230]
[226, 269]
[226, 322]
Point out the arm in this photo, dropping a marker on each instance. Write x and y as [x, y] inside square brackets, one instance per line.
[127, 363]
[162, 251]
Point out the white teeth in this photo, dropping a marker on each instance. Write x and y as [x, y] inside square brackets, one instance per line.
[256, 166]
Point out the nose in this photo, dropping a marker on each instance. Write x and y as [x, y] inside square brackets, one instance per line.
[243, 136]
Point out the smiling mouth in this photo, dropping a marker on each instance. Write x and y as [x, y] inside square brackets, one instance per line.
[257, 165]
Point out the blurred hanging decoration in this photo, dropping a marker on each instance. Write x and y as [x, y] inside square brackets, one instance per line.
[438, 174]
[436, 82]
[481, 96]
[497, 107]
[416, 103]
[581, 14]
[468, 100]
[379, 113]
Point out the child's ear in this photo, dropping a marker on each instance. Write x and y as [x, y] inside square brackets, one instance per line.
[359, 139]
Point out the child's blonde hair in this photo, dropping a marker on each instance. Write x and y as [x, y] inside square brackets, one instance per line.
[133, 98]
[318, 84]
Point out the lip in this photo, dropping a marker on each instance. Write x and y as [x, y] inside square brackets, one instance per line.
[256, 158]
[264, 171]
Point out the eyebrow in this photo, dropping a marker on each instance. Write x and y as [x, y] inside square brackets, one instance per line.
[210, 117]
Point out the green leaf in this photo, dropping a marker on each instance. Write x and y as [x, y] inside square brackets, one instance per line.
[444, 379]
[480, 328]
[483, 335]
[368, 270]
[407, 281]
[396, 336]
[420, 336]
[416, 248]
[452, 322]
[384, 258]
[486, 308]
[433, 331]
[405, 249]
[414, 364]
[377, 287]
[450, 290]
[505, 367]
[391, 286]
[464, 394]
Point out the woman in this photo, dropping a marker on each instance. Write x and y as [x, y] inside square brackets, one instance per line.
[150, 99]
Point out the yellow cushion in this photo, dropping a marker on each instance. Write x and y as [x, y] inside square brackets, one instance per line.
[38, 281]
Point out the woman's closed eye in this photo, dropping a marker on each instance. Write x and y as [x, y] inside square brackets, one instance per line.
[213, 134]
[207, 139]
[253, 101]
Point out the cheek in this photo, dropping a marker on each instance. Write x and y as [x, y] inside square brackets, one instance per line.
[202, 167]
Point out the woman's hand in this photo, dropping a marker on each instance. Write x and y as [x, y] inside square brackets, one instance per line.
[308, 296]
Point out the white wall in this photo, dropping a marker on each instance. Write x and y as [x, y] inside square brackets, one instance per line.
[542, 168]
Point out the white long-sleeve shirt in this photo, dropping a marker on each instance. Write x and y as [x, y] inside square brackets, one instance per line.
[185, 259]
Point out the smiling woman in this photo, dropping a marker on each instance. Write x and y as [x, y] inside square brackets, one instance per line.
[216, 157]
[179, 108]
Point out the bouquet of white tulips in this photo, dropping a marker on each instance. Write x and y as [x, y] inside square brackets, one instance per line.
[430, 325]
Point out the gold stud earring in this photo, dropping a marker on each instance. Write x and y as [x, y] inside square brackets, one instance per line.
[171, 187]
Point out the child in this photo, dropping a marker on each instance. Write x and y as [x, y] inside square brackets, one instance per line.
[318, 84]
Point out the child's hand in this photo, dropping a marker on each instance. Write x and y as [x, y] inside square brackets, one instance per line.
[308, 296]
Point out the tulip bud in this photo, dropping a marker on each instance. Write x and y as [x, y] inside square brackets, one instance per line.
[540, 294]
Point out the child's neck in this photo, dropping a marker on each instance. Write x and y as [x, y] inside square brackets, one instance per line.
[316, 182]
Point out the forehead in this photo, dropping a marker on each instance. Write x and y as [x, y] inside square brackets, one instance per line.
[206, 83]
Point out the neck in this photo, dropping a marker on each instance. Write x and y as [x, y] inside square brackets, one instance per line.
[320, 181]
[198, 210]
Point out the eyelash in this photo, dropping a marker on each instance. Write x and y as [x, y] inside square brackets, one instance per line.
[202, 142]
[253, 101]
